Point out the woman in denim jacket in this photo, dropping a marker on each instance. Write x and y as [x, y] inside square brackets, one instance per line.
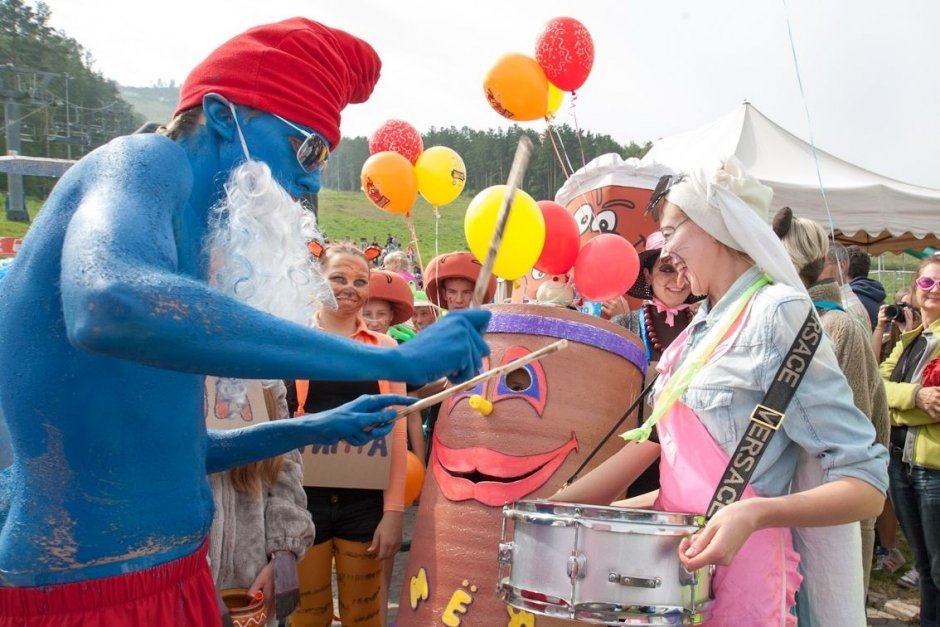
[915, 458]
[822, 471]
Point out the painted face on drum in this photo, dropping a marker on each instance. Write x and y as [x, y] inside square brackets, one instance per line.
[494, 477]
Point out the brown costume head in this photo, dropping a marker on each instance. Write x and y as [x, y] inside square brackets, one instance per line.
[609, 195]
[461, 265]
[391, 287]
[518, 436]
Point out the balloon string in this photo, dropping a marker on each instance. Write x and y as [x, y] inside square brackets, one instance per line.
[414, 241]
[437, 224]
[809, 124]
[551, 136]
[564, 150]
[577, 131]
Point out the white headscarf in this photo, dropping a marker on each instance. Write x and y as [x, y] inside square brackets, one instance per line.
[731, 206]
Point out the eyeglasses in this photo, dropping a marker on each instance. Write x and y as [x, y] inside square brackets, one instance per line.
[658, 198]
[312, 152]
[926, 283]
[669, 231]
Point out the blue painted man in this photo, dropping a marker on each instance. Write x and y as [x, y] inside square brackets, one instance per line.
[157, 259]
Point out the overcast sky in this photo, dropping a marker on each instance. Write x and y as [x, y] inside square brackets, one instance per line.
[869, 69]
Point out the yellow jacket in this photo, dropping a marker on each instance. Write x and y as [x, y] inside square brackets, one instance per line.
[902, 407]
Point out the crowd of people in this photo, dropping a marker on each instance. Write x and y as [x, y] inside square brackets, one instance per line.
[160, 259]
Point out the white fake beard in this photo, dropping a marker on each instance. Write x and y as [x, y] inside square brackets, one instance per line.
[257, 244]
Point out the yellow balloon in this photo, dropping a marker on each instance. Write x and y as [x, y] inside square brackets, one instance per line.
[516, 88]
[441, 175]
[389, 182]
[555, 97]
[523, 236]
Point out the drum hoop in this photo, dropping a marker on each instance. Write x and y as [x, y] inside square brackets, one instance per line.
[592, 516]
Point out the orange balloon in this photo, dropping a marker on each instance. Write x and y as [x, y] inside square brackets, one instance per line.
[389, 182]
[516, 88]
[414, 478]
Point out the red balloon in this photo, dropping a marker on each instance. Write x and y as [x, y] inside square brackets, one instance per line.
[562, 239]
[607, 266]
[397, 136]
[565, 51]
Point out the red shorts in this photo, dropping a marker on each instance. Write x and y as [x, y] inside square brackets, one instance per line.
[176, 594]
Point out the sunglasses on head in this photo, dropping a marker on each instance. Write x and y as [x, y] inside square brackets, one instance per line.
[926, 283]
[655, 205]
[312, 152]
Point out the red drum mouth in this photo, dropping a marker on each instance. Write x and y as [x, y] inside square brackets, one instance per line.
[490, 477]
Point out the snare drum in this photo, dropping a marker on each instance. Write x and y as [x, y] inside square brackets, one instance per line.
[601, 565]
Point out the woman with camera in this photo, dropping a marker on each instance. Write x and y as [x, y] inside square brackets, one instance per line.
[914, 468]
[892, 321]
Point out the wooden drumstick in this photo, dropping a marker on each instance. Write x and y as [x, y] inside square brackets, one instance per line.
[489, 374]
[516, 173]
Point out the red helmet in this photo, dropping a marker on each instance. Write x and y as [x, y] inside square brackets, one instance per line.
[458, 265]
[390, 286]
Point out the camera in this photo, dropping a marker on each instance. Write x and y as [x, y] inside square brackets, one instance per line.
[896, 311]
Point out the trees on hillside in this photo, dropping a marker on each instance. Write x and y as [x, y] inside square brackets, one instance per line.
[64, 107]
[488, 156]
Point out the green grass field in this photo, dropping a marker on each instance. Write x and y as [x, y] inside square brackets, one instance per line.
[350, 214]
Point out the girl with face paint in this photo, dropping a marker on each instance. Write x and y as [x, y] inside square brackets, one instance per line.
[359, 530]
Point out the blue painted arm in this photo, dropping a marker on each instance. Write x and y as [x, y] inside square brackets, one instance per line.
[130, 289]
[348, 422]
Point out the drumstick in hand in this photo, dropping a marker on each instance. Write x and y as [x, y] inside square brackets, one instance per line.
[489, 374]
[516, 173]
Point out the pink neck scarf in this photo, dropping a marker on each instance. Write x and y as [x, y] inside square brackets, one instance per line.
[670, 312]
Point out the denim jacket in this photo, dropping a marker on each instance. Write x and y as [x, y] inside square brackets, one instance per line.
[821, 419]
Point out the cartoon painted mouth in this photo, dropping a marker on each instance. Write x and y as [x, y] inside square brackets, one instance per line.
[490, 477]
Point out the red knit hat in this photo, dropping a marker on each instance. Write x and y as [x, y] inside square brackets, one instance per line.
[298, 69]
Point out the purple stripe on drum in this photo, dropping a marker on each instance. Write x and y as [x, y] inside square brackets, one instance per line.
[574, 331]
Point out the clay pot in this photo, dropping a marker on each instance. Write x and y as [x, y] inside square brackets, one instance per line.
[245, 610]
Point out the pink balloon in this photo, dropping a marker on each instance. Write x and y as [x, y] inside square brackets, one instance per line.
[565, 51]
[562, 239]
[607, 266]
[397, 136]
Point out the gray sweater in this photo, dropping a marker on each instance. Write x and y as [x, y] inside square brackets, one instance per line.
[248, 528]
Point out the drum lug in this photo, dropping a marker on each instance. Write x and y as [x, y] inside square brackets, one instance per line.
[575, 566]
[634, 582]
[505, 552]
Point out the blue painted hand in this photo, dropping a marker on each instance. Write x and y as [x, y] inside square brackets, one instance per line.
[453, 347]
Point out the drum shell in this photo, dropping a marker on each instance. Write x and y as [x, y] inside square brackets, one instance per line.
[565, 555]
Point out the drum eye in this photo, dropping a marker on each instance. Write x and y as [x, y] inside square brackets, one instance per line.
[518, 380]
[526, 383]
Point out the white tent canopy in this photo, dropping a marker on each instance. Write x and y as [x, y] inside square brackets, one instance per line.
[868, 209]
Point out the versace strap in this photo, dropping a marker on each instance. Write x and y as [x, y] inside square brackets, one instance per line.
[768, 415]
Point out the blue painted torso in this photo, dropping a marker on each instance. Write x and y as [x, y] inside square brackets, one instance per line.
[109, 471]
